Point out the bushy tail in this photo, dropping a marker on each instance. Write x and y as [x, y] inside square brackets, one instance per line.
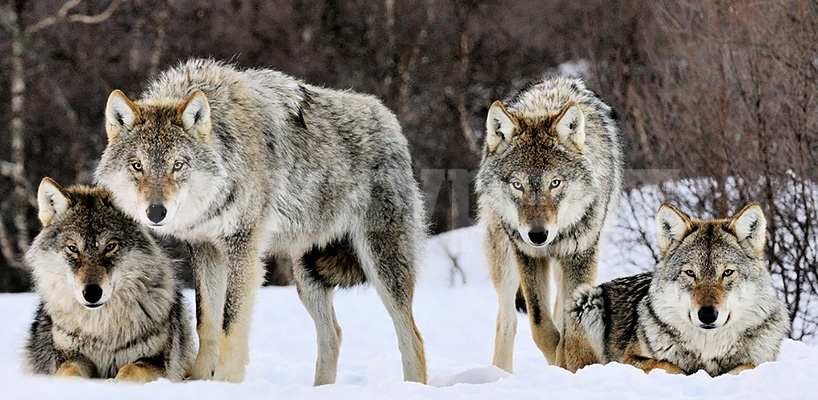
[586, 312]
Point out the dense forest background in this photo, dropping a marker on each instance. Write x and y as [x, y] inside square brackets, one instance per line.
[717, 98]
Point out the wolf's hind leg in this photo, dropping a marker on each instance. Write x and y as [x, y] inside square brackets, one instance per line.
[245, 276]
[391, 272]
[210, 280]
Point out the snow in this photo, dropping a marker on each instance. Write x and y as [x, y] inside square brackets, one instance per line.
[456, 320]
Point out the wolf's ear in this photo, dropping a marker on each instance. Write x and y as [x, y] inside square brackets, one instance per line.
[195, 114]
[51, 200]
[570, 126]
[120, 113]
[750, 227]
[500, 127]
[672, 226]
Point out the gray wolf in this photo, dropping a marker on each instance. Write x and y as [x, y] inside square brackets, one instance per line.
[110, 306]
[245, 164]
[709, 305]
[549, 179]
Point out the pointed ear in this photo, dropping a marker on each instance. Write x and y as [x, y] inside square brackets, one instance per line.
[195, 114]
[51, 200]
[570, 126]
[750, 227]
[500, 127]
[120, 114]
[672, 226]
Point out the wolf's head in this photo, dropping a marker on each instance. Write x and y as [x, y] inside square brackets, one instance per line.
[87, 249]
[160, 155]
[533, 171]
[711, 272]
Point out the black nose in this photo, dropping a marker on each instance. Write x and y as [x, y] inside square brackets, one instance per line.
[538, 235]
[708, 314]
[92, 293]
[156, 213]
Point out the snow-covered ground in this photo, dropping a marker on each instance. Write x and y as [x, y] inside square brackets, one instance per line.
[456, 320]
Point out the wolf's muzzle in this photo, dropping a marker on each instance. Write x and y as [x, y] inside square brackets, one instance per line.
[538, 235]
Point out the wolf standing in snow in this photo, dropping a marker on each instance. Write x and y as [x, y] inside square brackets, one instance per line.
[710, 304]
[245, 163]
[110, 306]
[550, 177]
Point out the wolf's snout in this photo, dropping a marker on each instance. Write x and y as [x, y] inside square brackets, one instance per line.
[538, 235]
[92, 293]
[157, 213]
[708, 315]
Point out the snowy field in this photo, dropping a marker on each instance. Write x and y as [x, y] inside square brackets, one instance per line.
[457, 324]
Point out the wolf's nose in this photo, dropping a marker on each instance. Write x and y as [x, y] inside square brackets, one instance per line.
[92, 293]
[156, 213]
[708, 314]
[538, 235]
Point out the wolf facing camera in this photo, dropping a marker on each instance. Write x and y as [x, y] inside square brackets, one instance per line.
[709, 305]
[110, 306]
[549, 180]
[245, 164]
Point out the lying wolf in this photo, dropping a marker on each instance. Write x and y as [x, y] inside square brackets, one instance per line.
[709, 305]
[110, 305]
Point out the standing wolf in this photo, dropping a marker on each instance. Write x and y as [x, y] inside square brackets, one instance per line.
[110, 307]
[550, 177]
[710, 304]
[245, 163]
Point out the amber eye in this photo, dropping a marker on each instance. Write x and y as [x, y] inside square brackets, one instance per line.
[555, 184]
[517, 185]
[137, 166]
[73, 249]
[727, 272]
[110, 247]
[178, 165]
[690, 273]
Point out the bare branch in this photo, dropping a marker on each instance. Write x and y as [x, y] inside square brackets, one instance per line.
[6, 248]
[62, 15]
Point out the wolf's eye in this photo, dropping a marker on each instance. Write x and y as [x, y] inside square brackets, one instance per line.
[690, 273]
[137, 166]
[555, 184]
[110, 247]
[727, 272]
[517, 185]
[178, 165]
[73, 249]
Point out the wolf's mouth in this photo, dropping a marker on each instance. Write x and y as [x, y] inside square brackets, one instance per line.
[92, 306]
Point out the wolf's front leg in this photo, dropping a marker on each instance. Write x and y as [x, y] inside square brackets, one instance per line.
[245, 276]
[574, 351]
[634, 357]
[506, 280]
[536, 285]
[210, 279]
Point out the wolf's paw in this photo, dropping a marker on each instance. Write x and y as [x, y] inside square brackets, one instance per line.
[741, 368]
[138, 373]
[203, 370]
[69, 370]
